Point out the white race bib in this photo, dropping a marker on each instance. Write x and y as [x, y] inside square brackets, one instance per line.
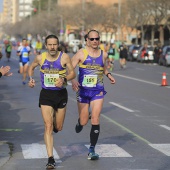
[25, 55]
[89, 81]
[50, 79]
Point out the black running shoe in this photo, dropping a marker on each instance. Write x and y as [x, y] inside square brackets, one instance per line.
[78, 127]
[54, 124]
[51, 163]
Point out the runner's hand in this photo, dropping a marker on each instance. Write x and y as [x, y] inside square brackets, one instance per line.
[59, 82]
[112, 80]
[75, 85]
[31, 83]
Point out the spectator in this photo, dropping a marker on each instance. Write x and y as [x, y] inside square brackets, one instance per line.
[4, 71]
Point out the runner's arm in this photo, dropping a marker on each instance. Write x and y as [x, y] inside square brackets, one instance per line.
[71, 72]
[33, 65]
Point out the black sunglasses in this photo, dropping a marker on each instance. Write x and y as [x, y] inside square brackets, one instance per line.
[92, 39]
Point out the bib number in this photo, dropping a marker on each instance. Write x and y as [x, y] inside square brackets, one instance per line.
[50, 79]
[89, 81]
[25, 55]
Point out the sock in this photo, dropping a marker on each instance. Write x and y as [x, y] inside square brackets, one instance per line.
[94, 134]
[79, 122]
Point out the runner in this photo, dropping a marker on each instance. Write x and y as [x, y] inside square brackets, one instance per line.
[23, 52]
[53, 96]
[90, 87]
[111, 54]
[8, 50]
[38, 47]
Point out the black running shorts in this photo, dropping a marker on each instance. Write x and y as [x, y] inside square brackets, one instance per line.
[54, 98]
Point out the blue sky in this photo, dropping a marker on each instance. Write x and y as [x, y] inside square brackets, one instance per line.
[1, 4]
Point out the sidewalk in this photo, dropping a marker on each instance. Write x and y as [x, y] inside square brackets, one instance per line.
[4, 153]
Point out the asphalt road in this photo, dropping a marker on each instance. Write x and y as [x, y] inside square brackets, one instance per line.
[135, 123]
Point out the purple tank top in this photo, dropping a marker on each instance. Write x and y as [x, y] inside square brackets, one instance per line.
[91, 73]
[51, 71]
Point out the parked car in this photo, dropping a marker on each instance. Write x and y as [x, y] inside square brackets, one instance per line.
[74, 45]
[133, 52]
[164, 58]
[145, 54]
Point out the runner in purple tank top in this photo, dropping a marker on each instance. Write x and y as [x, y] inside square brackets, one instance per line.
[53, 96]
[90, 87]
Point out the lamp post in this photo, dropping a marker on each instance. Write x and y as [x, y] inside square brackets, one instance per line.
[61, 27]
[83, 19]
[49, 7]
[119, 15]
[39, 6]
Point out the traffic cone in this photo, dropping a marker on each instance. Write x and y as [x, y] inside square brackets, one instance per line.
[164, 81]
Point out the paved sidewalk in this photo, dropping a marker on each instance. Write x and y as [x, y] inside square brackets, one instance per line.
[4, 153]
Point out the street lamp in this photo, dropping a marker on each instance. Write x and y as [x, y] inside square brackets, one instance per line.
[119, 15]
[83, 19]
[61, 27]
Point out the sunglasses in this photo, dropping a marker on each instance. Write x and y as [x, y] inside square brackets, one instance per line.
[92, 39]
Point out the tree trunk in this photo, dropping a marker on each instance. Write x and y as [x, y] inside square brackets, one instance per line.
[152, 36]
[142, 35]
[161, 35]
[136, 40]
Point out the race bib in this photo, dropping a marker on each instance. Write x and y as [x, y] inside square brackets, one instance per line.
[25, 55]
[50, 79]
[89, 81]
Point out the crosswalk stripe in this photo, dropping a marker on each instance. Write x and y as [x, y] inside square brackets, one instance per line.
[36, 151]
[110, 150]
[164, 148]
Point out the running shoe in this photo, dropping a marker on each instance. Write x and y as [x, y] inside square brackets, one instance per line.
[93, 156]
[54, 124]
[51, 163]
[24, 83]
[78, 127]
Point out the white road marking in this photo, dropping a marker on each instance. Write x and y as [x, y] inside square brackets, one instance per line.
[110, 150]
[36, 151]
[143, 81]
[166, 127]
[122, 107]
[164, 148]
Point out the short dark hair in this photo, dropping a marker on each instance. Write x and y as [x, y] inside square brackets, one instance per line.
[92, 31]
[24, 39]
[51, 36]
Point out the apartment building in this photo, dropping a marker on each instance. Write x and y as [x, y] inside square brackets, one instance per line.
[15, 10]
[101, 2]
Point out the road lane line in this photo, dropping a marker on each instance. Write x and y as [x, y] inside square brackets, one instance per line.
[166, 127]
[125, 129]
[122, 107]
[143, 81]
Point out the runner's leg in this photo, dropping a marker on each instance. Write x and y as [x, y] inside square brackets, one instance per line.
[47, 114]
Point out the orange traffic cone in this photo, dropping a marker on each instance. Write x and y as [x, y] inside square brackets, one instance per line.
[164, 81]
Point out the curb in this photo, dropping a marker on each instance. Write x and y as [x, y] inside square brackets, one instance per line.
[4, 153]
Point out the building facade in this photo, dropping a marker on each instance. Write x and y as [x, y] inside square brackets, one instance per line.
[15, 10]
[73, 2]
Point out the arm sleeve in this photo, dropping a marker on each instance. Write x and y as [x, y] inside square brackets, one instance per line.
[0, 74]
